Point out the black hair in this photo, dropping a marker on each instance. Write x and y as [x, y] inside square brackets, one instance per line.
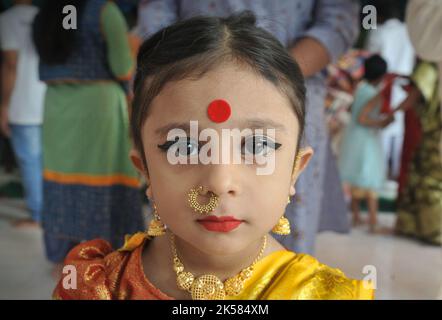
[54, 43]
[192, 47]
[375, 68]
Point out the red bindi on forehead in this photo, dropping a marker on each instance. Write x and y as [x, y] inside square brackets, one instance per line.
[219, 111]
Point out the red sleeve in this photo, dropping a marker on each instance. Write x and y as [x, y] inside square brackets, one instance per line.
[84, 273]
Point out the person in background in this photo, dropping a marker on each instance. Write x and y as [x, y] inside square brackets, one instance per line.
[424, 22]
[21, 104]
[420, 205]
[390, 40]
[91, 188]
[420, 201]
[316, 32]
[360, 162]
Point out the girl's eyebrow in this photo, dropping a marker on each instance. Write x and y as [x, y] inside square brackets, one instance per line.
[164, 130]
[263, 123]
[253, 124]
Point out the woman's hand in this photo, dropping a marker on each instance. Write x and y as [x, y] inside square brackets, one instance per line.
[4, 121]
[386, 121]
[414, 95]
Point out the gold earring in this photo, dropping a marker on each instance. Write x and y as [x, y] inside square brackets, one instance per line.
[156, 227]
[201, 208]
[282, 227]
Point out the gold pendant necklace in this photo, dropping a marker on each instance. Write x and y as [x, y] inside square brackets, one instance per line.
[209, 286]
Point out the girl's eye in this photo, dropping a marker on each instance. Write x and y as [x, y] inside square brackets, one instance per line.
[258, 145]
[182, 146]
[254, 145]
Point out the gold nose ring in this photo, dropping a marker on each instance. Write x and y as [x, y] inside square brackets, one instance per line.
[202, 208]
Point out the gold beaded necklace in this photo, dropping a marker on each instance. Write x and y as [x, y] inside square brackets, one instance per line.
[209, 286]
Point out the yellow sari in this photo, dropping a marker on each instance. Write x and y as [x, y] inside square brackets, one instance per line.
[282, 275]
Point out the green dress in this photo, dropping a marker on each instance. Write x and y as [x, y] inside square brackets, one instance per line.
[91, 189]
[420, 204]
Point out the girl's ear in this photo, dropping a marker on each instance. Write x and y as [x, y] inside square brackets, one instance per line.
[300, 164]
[138, 163]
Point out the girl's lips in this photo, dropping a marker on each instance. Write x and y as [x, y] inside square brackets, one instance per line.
[219, 224]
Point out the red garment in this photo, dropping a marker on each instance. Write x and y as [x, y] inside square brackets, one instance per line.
[386, 93]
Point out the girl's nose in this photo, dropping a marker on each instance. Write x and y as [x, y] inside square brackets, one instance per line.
[222, 179]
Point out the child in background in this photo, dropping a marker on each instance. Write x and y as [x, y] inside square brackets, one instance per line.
[361, 162]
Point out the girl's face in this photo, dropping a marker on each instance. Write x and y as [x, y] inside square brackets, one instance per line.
[257, 200]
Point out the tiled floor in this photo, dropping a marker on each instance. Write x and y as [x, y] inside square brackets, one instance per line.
[24, 271]
[405, 269]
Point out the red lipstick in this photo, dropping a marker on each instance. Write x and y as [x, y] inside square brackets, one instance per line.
[219, 224]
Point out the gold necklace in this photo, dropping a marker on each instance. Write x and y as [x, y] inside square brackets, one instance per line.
[209, 286]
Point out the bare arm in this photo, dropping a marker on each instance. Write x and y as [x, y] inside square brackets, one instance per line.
[334, 28]
[411, 100]
[364, 116]
[8, 77]
[311, 56]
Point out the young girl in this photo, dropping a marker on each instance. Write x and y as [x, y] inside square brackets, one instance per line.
[360, 161]
[224, 73]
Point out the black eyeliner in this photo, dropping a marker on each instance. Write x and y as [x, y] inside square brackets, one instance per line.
[273, 144]
[277, 145]
[165, 146]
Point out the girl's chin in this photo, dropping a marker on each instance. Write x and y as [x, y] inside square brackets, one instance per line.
[221, 244]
